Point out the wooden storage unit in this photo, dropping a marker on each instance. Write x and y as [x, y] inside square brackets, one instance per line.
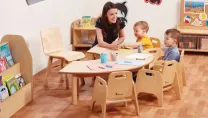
[193, 21]
[194, 32]
[23, 64]
[79, 34]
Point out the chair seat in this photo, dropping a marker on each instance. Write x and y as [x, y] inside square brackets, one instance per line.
[67, 55]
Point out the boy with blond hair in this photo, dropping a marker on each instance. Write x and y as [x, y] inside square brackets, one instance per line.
[140, 31]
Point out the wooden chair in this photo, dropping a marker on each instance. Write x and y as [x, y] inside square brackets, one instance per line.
[181, 68]
[157, 55]
[53, 47]
[155, 42]
[120, 88]
[161, 78]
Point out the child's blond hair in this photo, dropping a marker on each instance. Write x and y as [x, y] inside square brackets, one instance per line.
[143, 24]
[174, 34]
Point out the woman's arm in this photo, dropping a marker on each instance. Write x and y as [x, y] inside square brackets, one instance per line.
[121, 37]
[102, 43]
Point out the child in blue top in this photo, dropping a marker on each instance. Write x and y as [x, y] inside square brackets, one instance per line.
[171, 39]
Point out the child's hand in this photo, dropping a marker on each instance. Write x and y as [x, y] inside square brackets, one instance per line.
[139, 44]
[124, 46]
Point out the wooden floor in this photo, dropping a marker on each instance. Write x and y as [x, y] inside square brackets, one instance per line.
[55, 102]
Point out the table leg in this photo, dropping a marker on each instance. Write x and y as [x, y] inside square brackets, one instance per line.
[74, 90]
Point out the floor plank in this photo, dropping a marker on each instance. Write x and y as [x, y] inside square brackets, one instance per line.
[55, 102]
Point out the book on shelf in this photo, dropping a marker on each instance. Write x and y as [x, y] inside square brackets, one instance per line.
[12, 85]
[188, 42]
[3, 64]
[4, 94]
[204, 43]
[86, 21]
[20, 80]
[5, 53]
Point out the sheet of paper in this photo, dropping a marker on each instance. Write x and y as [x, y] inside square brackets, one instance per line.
[138, 56]
[127, 62]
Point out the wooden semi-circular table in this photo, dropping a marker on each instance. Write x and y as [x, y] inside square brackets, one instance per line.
[79, 69]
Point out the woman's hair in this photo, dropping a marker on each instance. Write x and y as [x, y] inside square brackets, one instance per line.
[143, 24]
[104, 19]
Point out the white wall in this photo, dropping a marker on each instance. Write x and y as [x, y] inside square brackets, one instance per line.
[159, 17]
[18, 18]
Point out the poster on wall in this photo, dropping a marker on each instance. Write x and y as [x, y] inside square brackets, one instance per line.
[30, 2]
[156, 2]
[194, 14]
[194, 6]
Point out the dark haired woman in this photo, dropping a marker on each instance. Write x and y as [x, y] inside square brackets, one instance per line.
[109, 27]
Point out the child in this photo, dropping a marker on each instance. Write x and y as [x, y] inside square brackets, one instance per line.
[171, 39]
[140, 31]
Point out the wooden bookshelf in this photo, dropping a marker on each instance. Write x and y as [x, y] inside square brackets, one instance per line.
[23, 64]
[188, 24]
[194, 32]
[79, 34]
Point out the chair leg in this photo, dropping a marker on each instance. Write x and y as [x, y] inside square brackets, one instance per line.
[125, 104]
[78, 87]
[160, 98]
[93, 81]
[67, 81]
[50, 59]
[103, 110]
[82, 81]
[177, 87]
[62, 66]
[183, 78]
[63, 63]
[135, 100]
[93, 104]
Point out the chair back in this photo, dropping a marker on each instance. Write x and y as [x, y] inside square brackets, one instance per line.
[148, 80]
[120, 85]
[155, 42]
[51, 40]
[169, 72]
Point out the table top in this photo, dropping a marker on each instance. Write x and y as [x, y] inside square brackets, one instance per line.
[82, 67]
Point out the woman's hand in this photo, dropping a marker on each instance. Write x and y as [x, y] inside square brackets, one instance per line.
[114, 46]
[115, 42]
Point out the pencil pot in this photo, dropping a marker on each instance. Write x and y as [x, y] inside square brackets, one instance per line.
[140, 49]
[103, 58]
[113, 56]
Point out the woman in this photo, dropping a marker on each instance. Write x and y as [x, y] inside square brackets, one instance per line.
[109, 27]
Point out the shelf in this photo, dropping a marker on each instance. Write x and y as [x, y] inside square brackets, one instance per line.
[16, 101]
[194, 50]
[193, 31]
[14, 70]
[83, 45]
[81, 28]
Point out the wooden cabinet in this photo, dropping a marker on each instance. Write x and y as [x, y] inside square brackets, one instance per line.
[197, 35]
[82, 38]
[193, 26]
[23, 64]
